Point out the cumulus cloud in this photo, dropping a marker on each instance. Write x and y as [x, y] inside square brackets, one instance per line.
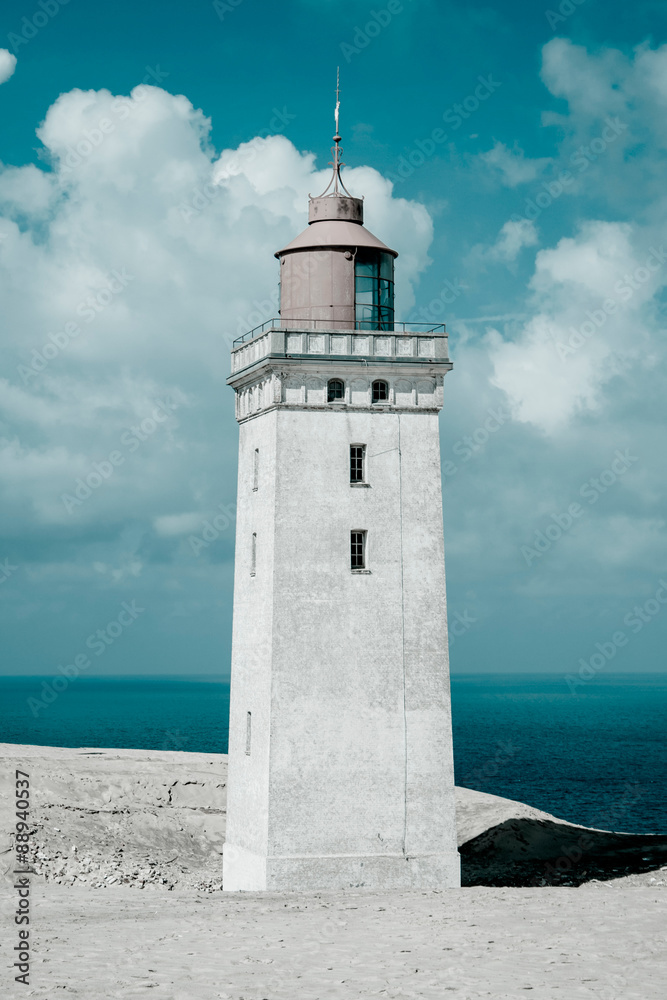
[513, 166]
[591, 84]
[651, 71]
[607, 82]
[609, 86]
[588, 292]
[512, 238]
[125, 272]
[594, 299]
[7, 64]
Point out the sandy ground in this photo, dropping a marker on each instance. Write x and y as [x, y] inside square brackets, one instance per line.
[127, 901]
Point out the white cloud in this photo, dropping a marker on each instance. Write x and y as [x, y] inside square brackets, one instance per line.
[589, 292]
[592, 85]
[512, 238]
[609, 86]
[7, 65]
[651, 71]
[124, 274]
[615, 103]
[513, 165]
[577, 358]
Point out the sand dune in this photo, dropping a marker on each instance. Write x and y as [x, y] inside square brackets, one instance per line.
[128, 820]
[126, 816]
[157, 818]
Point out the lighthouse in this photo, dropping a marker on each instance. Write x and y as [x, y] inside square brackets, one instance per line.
[340, 742]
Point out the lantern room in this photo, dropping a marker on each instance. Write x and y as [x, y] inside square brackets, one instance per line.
[336, 274]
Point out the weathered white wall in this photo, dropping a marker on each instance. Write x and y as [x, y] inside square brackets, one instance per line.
[337, 773]
[346, 674]
[247, 812]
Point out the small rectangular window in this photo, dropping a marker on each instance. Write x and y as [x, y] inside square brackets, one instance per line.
[255, 470]
[358, 550]
[248, 732]
[253, 554]
[357, 456]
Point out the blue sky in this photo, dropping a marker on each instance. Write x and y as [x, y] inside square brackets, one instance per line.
[514, 154]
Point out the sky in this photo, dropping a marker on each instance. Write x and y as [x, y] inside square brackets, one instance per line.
[153, 157]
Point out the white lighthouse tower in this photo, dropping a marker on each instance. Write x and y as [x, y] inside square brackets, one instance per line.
[340, 745]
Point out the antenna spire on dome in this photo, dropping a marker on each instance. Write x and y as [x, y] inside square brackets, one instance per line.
[338, 187]
[337, 109]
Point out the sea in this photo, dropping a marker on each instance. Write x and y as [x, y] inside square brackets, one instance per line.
[595, 756]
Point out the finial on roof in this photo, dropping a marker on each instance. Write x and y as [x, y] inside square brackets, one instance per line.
[337, 109]
[338, 187]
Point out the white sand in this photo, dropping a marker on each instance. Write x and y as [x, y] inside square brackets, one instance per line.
[156, 819]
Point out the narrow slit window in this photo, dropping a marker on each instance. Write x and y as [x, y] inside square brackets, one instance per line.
[358, 550]
[253, 554]
[335, 390]
[357, 457]
[248, 732]
[380, 391]
[255, 470]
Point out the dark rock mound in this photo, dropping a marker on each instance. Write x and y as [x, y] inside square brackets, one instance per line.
[534, 852]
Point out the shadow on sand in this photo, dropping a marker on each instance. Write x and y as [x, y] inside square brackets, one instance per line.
[531, 852]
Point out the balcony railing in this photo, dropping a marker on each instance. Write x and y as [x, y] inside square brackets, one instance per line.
[279, 323]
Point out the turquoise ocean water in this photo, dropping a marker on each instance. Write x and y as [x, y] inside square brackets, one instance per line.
[596, 758]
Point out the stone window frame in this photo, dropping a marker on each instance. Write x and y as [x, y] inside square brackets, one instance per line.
[341, 397]
[358, 465]
[359, 550]
[379, 382]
